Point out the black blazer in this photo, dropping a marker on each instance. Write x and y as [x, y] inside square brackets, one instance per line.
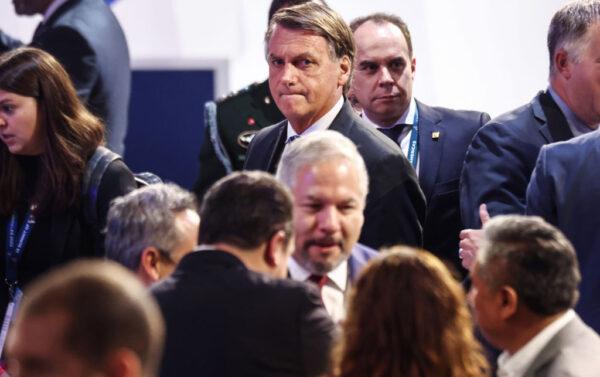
[86, 38]
[502, 155]
[225, 320]
[395, 208]
[444, 136]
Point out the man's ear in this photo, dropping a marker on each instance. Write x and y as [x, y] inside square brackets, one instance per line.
[345, 69]
[562, 63]
[123, 363]
[148, 269]
[508, 301]
[276, 252]
[413, 66]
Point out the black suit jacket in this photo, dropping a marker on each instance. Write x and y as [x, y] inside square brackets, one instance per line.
[395, 206]
[86, 38]
[444, 136]
[502, 156]
[225, 320]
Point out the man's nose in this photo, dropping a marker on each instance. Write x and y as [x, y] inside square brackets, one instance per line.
[385, 77]
[329, 219]
[289, 75]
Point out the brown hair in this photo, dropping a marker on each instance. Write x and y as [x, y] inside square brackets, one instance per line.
[106, 307]
[70, 132]
[320, 20]
[408, 317]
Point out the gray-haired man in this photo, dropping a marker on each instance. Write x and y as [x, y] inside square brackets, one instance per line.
[150, 229]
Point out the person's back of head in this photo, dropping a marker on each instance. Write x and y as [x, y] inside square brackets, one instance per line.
[150, 229]
[87, 318]
[408, 317]
[249, 213]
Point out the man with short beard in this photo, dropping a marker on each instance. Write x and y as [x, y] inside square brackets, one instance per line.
[329, 182]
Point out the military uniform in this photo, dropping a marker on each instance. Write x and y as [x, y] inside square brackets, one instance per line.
[229, 125]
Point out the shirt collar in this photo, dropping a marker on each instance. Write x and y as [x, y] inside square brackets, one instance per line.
[339, 275]
[322, 123]
[575, 124]
[52, 8]
[516, 365]
[408, 117]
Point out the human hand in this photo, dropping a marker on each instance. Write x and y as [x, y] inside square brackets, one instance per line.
[470, 240]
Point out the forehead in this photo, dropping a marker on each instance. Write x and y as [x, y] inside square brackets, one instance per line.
[334, 178]
[383, 38]
[285, 41]
[48, 331]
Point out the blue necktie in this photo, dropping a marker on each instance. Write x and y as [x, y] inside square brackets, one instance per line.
[291, 139]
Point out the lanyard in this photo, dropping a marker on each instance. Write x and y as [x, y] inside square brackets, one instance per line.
[413, 147]
[15, 244]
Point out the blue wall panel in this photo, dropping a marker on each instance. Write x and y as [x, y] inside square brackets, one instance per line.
[166, 121]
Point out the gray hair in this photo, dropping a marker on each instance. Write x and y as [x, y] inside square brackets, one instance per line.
[568, 29]
[317, 147]
[534, 258]
[145, 217]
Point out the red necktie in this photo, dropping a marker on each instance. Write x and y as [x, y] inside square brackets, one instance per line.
[319, 280]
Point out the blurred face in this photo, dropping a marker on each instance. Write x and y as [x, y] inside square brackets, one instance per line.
[328, 214]
[36, 349]
[483, 300]
[583, 81]
[384, 72]
[30, 7]
[19, 129]
[303, 77]
[187, 223]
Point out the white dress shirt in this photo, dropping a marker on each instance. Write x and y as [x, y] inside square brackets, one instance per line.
[321, 124]
[516, 365]
[407, 118]
[333, 292]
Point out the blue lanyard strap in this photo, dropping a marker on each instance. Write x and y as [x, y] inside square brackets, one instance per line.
[413, 147]
[15, 244]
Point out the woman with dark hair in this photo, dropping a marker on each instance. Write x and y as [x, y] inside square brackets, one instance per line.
[408, 317]
[47, 136]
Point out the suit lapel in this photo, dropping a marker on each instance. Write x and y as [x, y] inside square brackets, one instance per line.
[557, 127]
[430, 148]
[344, 121]
[276, 147]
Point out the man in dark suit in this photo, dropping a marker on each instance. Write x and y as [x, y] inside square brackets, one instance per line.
[565, 190]
[502, 155]
[329, 183]
[383, 87]
[225, 314]
[524, 288]
[86, 38]
[310, 52]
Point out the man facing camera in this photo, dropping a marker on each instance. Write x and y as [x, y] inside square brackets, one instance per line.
[150, 229]
[310, 51]
[434, 139]
[329, 183]
[226, 312]
[524, 287]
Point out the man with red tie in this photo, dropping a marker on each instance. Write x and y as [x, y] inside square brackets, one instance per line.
[329, 182]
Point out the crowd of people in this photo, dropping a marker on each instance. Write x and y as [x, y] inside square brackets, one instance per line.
[367, 233]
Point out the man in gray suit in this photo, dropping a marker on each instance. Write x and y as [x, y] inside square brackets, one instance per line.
[87, 39]
[524, 288]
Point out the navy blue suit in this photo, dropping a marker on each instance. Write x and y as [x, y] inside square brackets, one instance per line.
[502, 155]
[359, 257]
[86, 38]
[444, 136]
[395, 208]
[565, 190]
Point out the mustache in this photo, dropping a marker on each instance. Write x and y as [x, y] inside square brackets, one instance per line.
[323, 242]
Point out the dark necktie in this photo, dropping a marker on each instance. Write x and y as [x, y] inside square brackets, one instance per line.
[319, 280]
[394, 132]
